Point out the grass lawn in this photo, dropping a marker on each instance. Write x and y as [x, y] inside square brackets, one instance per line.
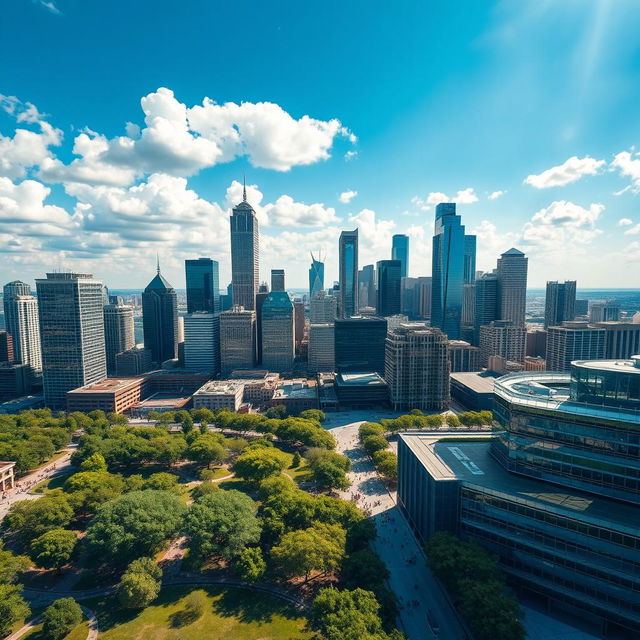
[77, 633]
[231, 614]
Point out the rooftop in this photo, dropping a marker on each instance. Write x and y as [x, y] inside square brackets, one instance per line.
[163, 401]
[458, 458]
[477, 381]
[619, 366]
[108, 385]
[220, 387]
[296, 389]
[367, 378]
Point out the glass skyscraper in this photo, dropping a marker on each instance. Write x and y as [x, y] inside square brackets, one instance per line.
[316, 277]
[389, 280]
[453, 253]
[348, 299]
[203, 285]
[560, 303]
[400, 251]
[512, 286]
[160, 319]
[245, 249]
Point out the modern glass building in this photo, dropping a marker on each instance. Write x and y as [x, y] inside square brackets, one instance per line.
[512, 286]
[316, 277]
[400, 251]
[278, 336]
[360, 345]
[555, 492]
[388, 301]
[245, 254]
[348, 299]
[160, 319]
[203, 285]
[560, 303]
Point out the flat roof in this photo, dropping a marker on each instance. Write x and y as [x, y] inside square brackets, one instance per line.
[162, 401]
[366, 378]
[478, 381]
[458, 458]
[108, 385]
[619, 366]
[220, 387]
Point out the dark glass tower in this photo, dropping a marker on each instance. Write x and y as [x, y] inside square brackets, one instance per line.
[560, 303]
[451, 253]
[400, 251]
[160, 319]
[245, 248]
[316, 277]
[360, 345]
[203, 285]
[486, 303]
[348, 300]
[389, 280]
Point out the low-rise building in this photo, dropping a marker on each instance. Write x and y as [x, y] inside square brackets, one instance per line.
[296, 395]
[111, 395]
[463, 356]
[219, 394]
[361, 390]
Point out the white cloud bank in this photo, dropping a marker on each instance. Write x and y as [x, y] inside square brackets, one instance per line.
[569, 171]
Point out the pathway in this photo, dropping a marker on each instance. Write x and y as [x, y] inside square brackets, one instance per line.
[34, 622]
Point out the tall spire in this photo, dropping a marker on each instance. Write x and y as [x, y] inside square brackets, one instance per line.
[244, 188]
[158, 262]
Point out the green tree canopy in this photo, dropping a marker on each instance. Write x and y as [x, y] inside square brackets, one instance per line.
[13, 607]
[31, 518]
[257, 464]
[162, 482]
[207, 448]
[87, 490]
[251, 566]
[94, 462]
[386, 463]
[137, 590]
[11, 565]
[53, 549]
[60, 617]
[374, 443]
[313, 414]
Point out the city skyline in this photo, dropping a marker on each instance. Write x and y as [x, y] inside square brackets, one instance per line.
[100, 186]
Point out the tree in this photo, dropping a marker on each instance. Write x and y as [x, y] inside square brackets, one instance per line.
[87, 490]
[251, 566]
[60, 617]
[304, 432]
[94, 462]
[318, 548]
[328, 468]
[258, 464]
[203, 489]
[31, 518]
[370, 429]
[363, 567]
[374, 443]
[168, 449]
[236, 446]
[297, 459]
[13, 607]
[223, 523]
[313, 414]
[187, 424]
[145, 565]
[11, 565]
[53, 549]
[137, 590]
[452, 421]
[279, 411]
[360, 534]
[207, 448]
[386, 463]
[135, 524]
[162, 482]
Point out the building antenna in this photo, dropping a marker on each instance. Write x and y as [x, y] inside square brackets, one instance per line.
[158, 262]
[244, 188]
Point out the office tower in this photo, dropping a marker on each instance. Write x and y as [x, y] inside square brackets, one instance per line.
[422, 297]
[119, 332]
[278, 332]
[536, 345]
[400, 251]
[237, 339]
[468, 304]
[560, 301]
[202, 342]
[160, 319]
[277, 280]
[316, 277]
[133, 362]
[622, 339]
[451, 252]
[463, 357]
[359, 345]
[15, 380]
[203, 285]
[348, 297]
[604, 312]
[502, 338]
[6, 347]
[417, 368]
[469, 273]
[367, 286]
[71, 333]
[512, 286]
[21, 322]
[581, 308]
[407, 296]
[389, 280]
[10, 293]
[299, 323]
[323, 308]
[261, 296]
[226, 299]
[573, 341]
[486, 303]
[321, 347]
[245, 250]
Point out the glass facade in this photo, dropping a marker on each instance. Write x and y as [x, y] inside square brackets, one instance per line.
[348, 273]
[597, 386]
[400, 251]
[360, 345]
[316, 277]
[203, 285]
[389, 279]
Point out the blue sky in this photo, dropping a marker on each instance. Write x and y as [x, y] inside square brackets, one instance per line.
[526, 113]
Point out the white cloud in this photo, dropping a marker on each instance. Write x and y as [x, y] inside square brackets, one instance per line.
[491, 243]
[24, 203]
[350, 155]
[633, 231]
[624, 222]
[50, 7]
[374, 236]
[347, 196]
[464, 196]
[496, 194]
[285, 212]
[569, 171]
[628, 164]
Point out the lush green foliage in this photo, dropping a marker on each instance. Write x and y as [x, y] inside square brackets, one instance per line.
[53, 549]
[257, 464]
[87, 490]
[11, 565]
[251, 566]
[207, 448]
[434, 421]
[140, 584]
[386, 463]
[313, 414]
[162, 482]
[60, 617]
[328, 468]
[13, 607]
[31, 518]
[95, 462]
[370, 429]
[374, 443]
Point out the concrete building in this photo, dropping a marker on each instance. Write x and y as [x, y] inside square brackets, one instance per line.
[202, 342]
[203, 285]
[358, 390]
[119, 334]
[237, 339]
[604, 312]
[321, 347]
[245, 254]
[323, 308]
[10, 292]
[21, 322]
[502, 338]
[367, 286]
[6, 347]
[348, 273]
[622, 339]
[473, 391]
[72, 333]
[536, 343]
[111, 395]
[160, 319]
[277, 280]
[6, 475]
[15, 380]
[512, 286]
[219, 394]
[463, 356]
[534, 364]
[296, 395]
[573, 341]
[360, 345]
[278, 332]
[422, 298]
[133, 362]
[560, 303]
[417, 367]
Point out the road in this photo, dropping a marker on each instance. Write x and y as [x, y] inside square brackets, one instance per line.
[410, 578]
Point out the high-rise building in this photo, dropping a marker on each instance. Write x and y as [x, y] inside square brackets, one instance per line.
[573, 341]
[422, 297]
[261, 296]
[119, 334]
[367, 286]
[359, 344]
[451, 253]
[237, 339]
[468, 305]
[469, 274]
[245, 254]
[622, 339]
[133, 362]
[512, 286]
[560, 302]
[203, 285]
[21, 322]
[502, 338]
[463, 357]
[202, 342]
[278, 333]
[417, 367]
[277, 280]
[581, 308]
[6, 347]
[536, 345]
[160, 319]
[348, 297]
[299, 323]
[604, 312]
[10, 292]
[321, 347]
[400, 251]
[486, 303]
[72, 334]
[316, 277]
[389, 280]
[323, 308]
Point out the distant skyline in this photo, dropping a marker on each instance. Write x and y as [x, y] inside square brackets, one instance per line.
[125, 132]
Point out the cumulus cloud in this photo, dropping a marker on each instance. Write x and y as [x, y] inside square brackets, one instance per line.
[350, 155]
[496, 194]
[491, 243]
[624, 222]
[569, 171]
[464, 196]
[633, 231]
[24, 203]
[347, 196]
[374, 235]
[628, 165]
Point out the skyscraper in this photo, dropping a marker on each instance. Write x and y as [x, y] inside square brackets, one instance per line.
[451, 252]
[560, 301]
[359, 345]
[316, 277]
[367, 286]
[72, 334]
[502, 338]
[321, 347]
[202, 342]
[400, 251]
[486, 303]
[118, 333]
[261, 296]
[469, 259]
[277, 280]
[348, 300]
[389, 281]
[203, 285]
[604, 312]
[237, 339]
[245, 254]
[6, 347]
[160, 319]
[512, 286]
[278, 334]
[322, 308]
[21, 322]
